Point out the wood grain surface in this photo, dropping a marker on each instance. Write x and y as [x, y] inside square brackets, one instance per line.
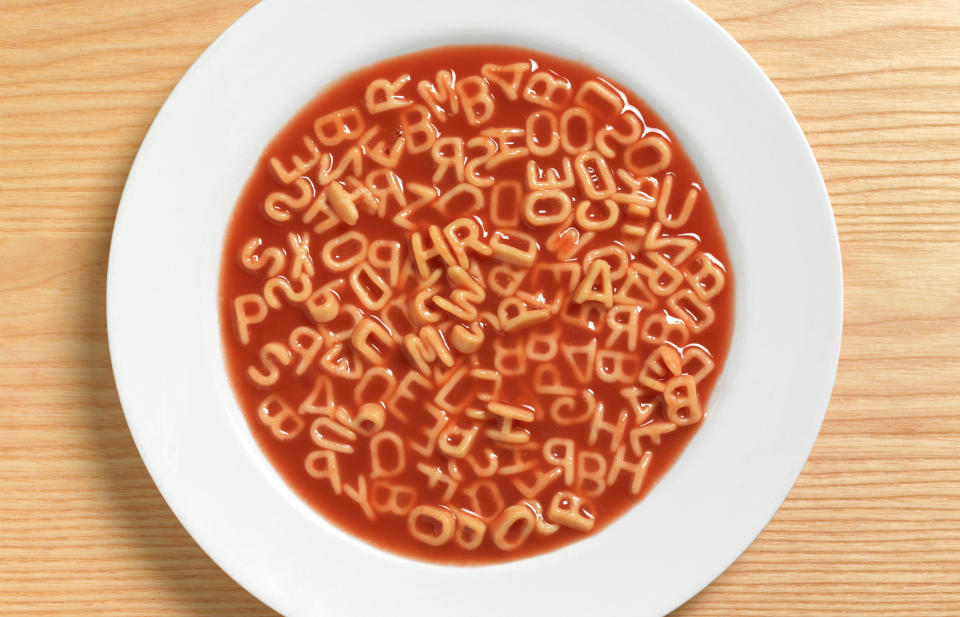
[871, 528]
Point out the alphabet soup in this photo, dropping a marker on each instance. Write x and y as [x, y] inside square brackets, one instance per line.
[473, 302]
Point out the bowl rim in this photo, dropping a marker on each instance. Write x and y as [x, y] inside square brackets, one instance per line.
[159, 414]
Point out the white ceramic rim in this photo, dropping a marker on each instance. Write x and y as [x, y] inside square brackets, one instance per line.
[764, 414]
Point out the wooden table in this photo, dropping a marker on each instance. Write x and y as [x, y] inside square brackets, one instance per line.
[871, 528]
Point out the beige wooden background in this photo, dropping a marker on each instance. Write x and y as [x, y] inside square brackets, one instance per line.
[871, 528]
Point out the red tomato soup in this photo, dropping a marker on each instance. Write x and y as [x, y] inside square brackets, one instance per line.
[473, 302]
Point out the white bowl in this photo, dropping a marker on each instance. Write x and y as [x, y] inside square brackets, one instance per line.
[764, 413]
